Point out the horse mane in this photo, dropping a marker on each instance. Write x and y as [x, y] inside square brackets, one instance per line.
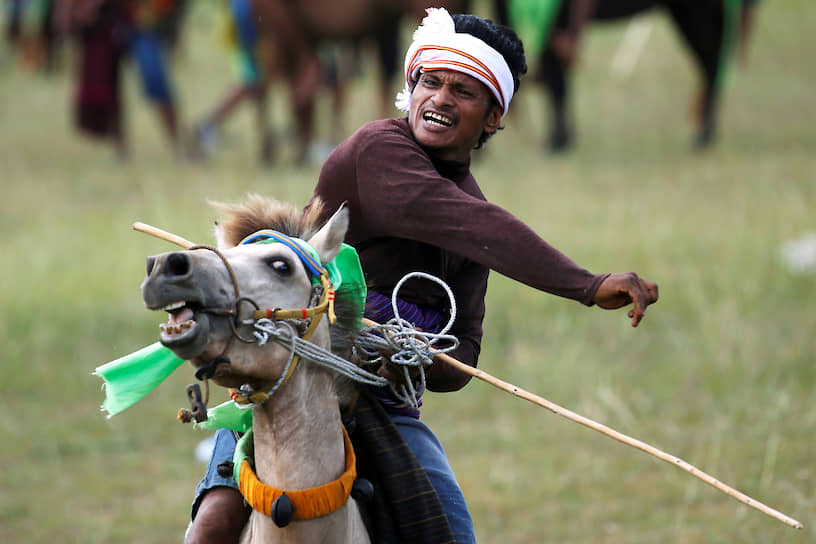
[237, 221]
[258, 212]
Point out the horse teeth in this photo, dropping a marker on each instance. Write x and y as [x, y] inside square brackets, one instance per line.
[174, 306]
[175, 328]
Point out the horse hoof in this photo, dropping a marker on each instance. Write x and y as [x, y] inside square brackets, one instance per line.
[560, 141]
[704, 139]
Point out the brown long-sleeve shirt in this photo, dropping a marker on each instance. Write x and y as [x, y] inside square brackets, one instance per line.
[409, 212]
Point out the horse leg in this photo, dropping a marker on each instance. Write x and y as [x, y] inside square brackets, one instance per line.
[388, 53]
[746, 28]
[304, 84]
[556, 62]
[702, 25]
[14, 23]
[259, 95]
[501, 12]
[555, 76]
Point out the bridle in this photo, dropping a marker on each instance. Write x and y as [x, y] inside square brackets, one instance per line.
[283, 506]
[245, 396]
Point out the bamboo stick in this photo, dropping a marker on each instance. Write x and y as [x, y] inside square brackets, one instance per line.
[620, 437]
[163, 234]
[554, 408]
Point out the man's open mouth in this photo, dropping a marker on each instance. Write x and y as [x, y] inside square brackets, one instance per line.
[437, 119]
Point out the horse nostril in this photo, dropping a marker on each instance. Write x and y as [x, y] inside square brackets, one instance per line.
[178, 264]
[151, 261]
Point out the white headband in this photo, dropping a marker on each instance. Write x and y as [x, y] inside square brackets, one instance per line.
[437, 46]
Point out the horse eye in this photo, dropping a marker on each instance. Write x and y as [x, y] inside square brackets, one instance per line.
[280, 266]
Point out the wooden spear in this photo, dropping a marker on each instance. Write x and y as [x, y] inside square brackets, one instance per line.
[554, 408]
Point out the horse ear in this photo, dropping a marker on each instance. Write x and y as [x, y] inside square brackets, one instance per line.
[221, 237]
[327, 242]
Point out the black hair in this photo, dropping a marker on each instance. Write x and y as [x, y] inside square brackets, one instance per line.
[501, 38]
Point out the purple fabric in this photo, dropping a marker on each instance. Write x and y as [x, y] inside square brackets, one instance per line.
[378, 308]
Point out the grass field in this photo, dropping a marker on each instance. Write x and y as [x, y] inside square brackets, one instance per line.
[722, 372]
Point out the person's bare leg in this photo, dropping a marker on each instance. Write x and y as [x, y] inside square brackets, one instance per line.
[267, 141]
[169, 119]
[220, 519]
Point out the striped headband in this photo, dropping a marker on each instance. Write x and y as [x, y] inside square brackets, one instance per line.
[437, 46]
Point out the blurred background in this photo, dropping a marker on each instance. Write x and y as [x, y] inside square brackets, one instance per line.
[677, 141]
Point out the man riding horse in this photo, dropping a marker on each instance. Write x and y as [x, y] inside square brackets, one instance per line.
[414, 205]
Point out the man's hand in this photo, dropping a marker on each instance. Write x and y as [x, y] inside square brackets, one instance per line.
[395, 373]
[619, 290]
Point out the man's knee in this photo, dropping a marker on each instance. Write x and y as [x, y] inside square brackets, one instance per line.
[220, 518]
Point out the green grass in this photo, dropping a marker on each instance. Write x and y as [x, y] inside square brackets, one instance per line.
[721, 372]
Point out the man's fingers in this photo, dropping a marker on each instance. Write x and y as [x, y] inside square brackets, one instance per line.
[637, 312]
[643, 293]
[653, 291]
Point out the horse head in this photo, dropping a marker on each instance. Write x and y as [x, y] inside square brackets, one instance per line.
[214, 295]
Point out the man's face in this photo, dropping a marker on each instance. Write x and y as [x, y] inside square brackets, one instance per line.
[449, 111]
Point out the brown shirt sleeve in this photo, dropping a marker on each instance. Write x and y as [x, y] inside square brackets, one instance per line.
[406, 197]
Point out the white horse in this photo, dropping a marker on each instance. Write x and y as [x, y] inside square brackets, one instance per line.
[212, 297]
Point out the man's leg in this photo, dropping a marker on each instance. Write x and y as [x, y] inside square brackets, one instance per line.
[219, 513]
[431, 456]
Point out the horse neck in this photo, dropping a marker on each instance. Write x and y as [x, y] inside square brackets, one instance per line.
[299, 444]
[298, 432]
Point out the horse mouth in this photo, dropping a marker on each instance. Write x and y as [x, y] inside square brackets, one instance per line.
[186, 329]
[181, 324]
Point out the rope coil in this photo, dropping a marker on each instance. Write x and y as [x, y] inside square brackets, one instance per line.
[412, 349]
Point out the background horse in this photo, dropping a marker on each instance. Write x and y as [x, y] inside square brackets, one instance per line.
[708, 27]
[292, 34]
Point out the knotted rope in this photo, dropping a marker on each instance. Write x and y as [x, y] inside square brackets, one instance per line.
[413, 350]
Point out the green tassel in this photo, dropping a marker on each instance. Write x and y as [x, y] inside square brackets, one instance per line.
[129, 378]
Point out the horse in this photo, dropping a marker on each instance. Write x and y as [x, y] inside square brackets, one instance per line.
[299, 439]
[708, 27]
[288, 38]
